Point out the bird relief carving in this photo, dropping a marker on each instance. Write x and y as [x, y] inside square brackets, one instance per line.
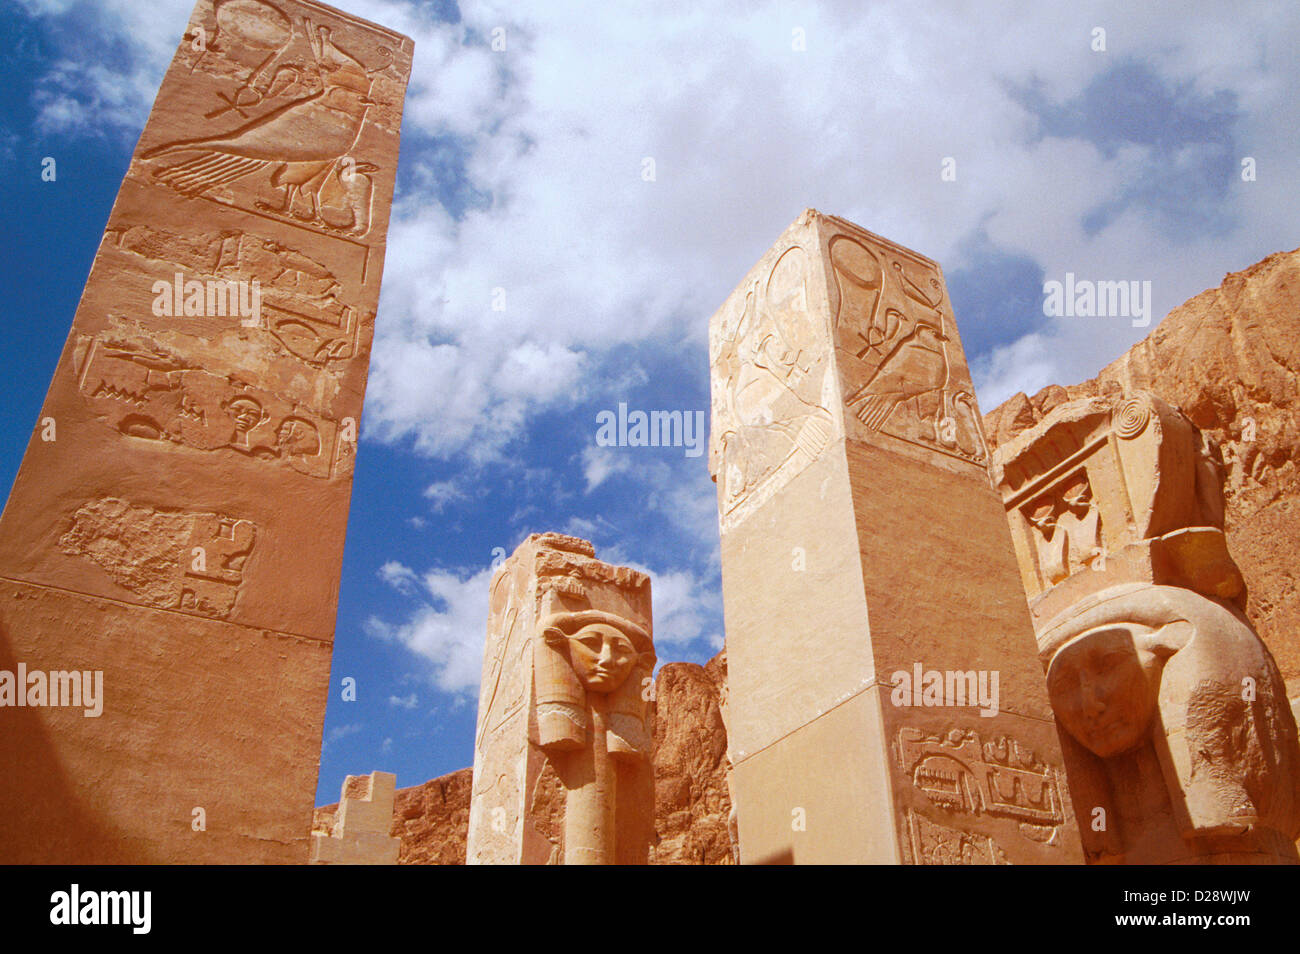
[890, 320]
[304, 107]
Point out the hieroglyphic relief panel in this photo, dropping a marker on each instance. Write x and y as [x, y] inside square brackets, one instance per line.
[961, 773]
[902, 373]
[193, 562]
[300, 298]
[773, 378]
[291, 98]
[935, 844]
[203, 456]
[154, 395]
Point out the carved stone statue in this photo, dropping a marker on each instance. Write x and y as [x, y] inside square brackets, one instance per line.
[562, 762]
[1178, 740]
[588, 671]
[1178, 728]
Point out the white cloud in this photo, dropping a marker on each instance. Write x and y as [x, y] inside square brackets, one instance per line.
[448, 630]
[601, 463]
[400, 577]
[342, 732]
[682, 608]
[404, 702]
[1026, 365]
[444, 493]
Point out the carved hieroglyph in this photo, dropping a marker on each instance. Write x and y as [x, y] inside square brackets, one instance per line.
[194, 456]
[562, 758]
[1179, 743]
[359, 834]
[861, 537]
[778, 404]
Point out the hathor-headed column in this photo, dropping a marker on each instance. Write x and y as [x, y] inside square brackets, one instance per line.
[1178, 739]
[562, 759]
[176, 530]
[886, 702]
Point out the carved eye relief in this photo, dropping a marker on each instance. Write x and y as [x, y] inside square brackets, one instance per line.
[620, 647]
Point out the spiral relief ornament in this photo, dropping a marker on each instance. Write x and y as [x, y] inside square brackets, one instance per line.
[1131, 418]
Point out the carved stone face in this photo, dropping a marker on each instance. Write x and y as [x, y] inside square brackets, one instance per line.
[1104, 688]
[246, 412]
[601, 656]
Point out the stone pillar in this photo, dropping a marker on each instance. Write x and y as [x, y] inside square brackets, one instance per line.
[870, 588]
[360, 832]
[563, 768]
[1179, 741]
[177, 524]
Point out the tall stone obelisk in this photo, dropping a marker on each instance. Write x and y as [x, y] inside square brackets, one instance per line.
[177, 524]
[886, 700]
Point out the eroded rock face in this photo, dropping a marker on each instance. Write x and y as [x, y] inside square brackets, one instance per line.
[691, 798]
[1230, 360]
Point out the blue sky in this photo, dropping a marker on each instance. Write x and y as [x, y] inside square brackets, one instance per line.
[522, 170]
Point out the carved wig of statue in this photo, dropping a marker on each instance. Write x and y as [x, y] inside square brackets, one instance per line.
[1176, 727]
[590, 668]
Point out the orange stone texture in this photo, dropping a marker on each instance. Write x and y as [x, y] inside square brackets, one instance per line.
[863, 543]
[178, 520]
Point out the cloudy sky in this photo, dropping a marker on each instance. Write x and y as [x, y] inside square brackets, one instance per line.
[582, 184]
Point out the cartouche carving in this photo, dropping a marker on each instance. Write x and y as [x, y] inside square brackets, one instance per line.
[960, 773]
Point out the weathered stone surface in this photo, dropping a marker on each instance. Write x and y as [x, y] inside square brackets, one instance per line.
[1229, 358]
[862, 543]
[187, 484]
[431, 820]
[691, 798]
[358, 833]
[563, 768]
